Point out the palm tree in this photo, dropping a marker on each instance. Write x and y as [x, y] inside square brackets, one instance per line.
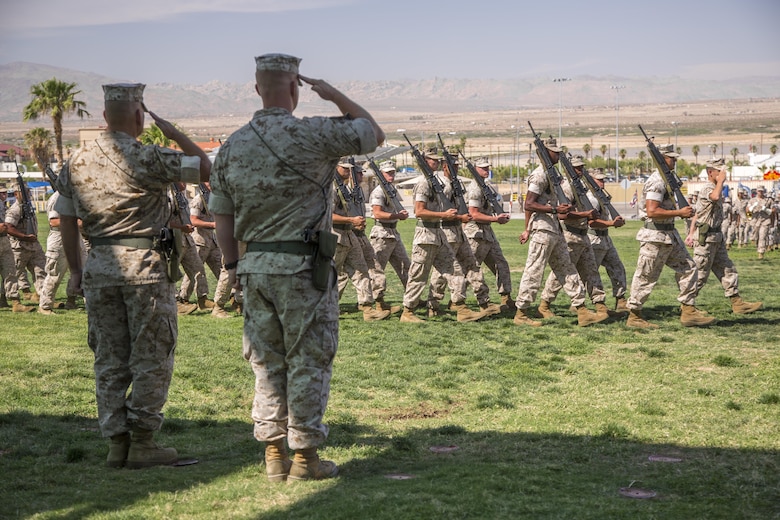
[603, 151]
[714, 149]
[38, 141]
[153, 135]
[773, 149]
[695, 151]
[623, 153]
[57, 98]
[641, 155]
[734, 153]
[586, 150]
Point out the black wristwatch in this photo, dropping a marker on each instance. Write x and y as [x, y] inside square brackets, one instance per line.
[231, 265]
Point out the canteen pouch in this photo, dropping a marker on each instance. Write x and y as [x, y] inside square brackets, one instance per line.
[326, 250]
[169, 246]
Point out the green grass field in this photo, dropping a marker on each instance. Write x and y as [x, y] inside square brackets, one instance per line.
[547, 422]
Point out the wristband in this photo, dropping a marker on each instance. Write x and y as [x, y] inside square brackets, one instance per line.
[231, 265]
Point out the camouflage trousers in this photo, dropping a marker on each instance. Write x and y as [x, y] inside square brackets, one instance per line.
[581, 255]
[745, 232]
[465, 271]
[731, 233]
[349, 258]
[762, 231]
[548, 247]
[290, 337]
[392, 251]
[193, 268]
[425, 257]
[712, 256]
[56, 267]
[211, 257]
[606, 255]
[30, 259]
[490, 254]
[653, 256]
[132, 330]
[8, 269]
[376, 272]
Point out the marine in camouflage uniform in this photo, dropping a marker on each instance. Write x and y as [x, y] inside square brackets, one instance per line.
[744, 227]
[709, 246]
[351, 260]
[118, 187]
[467, 270]
[271, 188]
[385, 238]
[547, 246]
[189, 259]
[56, 263]
[481, 238]
[208, 250]
[604, 249]
[8, 265]
[28, 253]
[575, 233]
[660, 245]
[760, 207]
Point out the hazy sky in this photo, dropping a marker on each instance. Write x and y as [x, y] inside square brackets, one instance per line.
[196, 41]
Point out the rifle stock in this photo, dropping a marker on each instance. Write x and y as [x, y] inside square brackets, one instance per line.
[203, 193]
[490, 195]
[357, 198]
[181, 204]
[434, 181]
[387, 187]
[671, 181]
[51, 176]
[549, 168]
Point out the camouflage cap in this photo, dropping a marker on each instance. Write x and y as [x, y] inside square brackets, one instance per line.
[668, 150]
[598, 175]
[761, 189]
[124, 92]
[454, 156]
[433, 153]
[387, 166]
[280, 62]
[716, 164]
[344, 163]
[483, 162]
[551, 144]
[577, 160]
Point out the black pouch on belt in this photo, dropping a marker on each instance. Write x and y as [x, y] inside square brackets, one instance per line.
[326, 250]
[703, 230]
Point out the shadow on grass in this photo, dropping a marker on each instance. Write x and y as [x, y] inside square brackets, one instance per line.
[53, 467]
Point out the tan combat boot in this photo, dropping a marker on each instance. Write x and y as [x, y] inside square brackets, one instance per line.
[277, 461]
[218, 311]
[31, 296]
[371, 314]
[693, 317]
[760, 256]
[408, 316]
[740, 306]
[71, 303]
[145, 453]
[523, 317]
[636, 321]
[117, 450]
[434, 309]
[621, 305]
[306, 465]
[587, 317]
[184, 308]
[381, 305]
[601, 308]
[45, 312]
[545, 310]
[489, 309]
[464, 314]
[507, 303]
[18, 306]
[204, 303]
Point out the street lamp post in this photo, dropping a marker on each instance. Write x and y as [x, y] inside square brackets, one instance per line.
[560, 82]
[617, 89]
[675, 124]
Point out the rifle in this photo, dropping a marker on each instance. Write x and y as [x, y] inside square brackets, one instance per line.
[549, 168]
[203, 193]
[671, 180]
[579, 190]
[604, 198]
[358, 199]
[390, 192]
[457, 187]
[490, 195]
[438, 189]
[345, 196]
[181, 203]
[28, 211]
[51, 176]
